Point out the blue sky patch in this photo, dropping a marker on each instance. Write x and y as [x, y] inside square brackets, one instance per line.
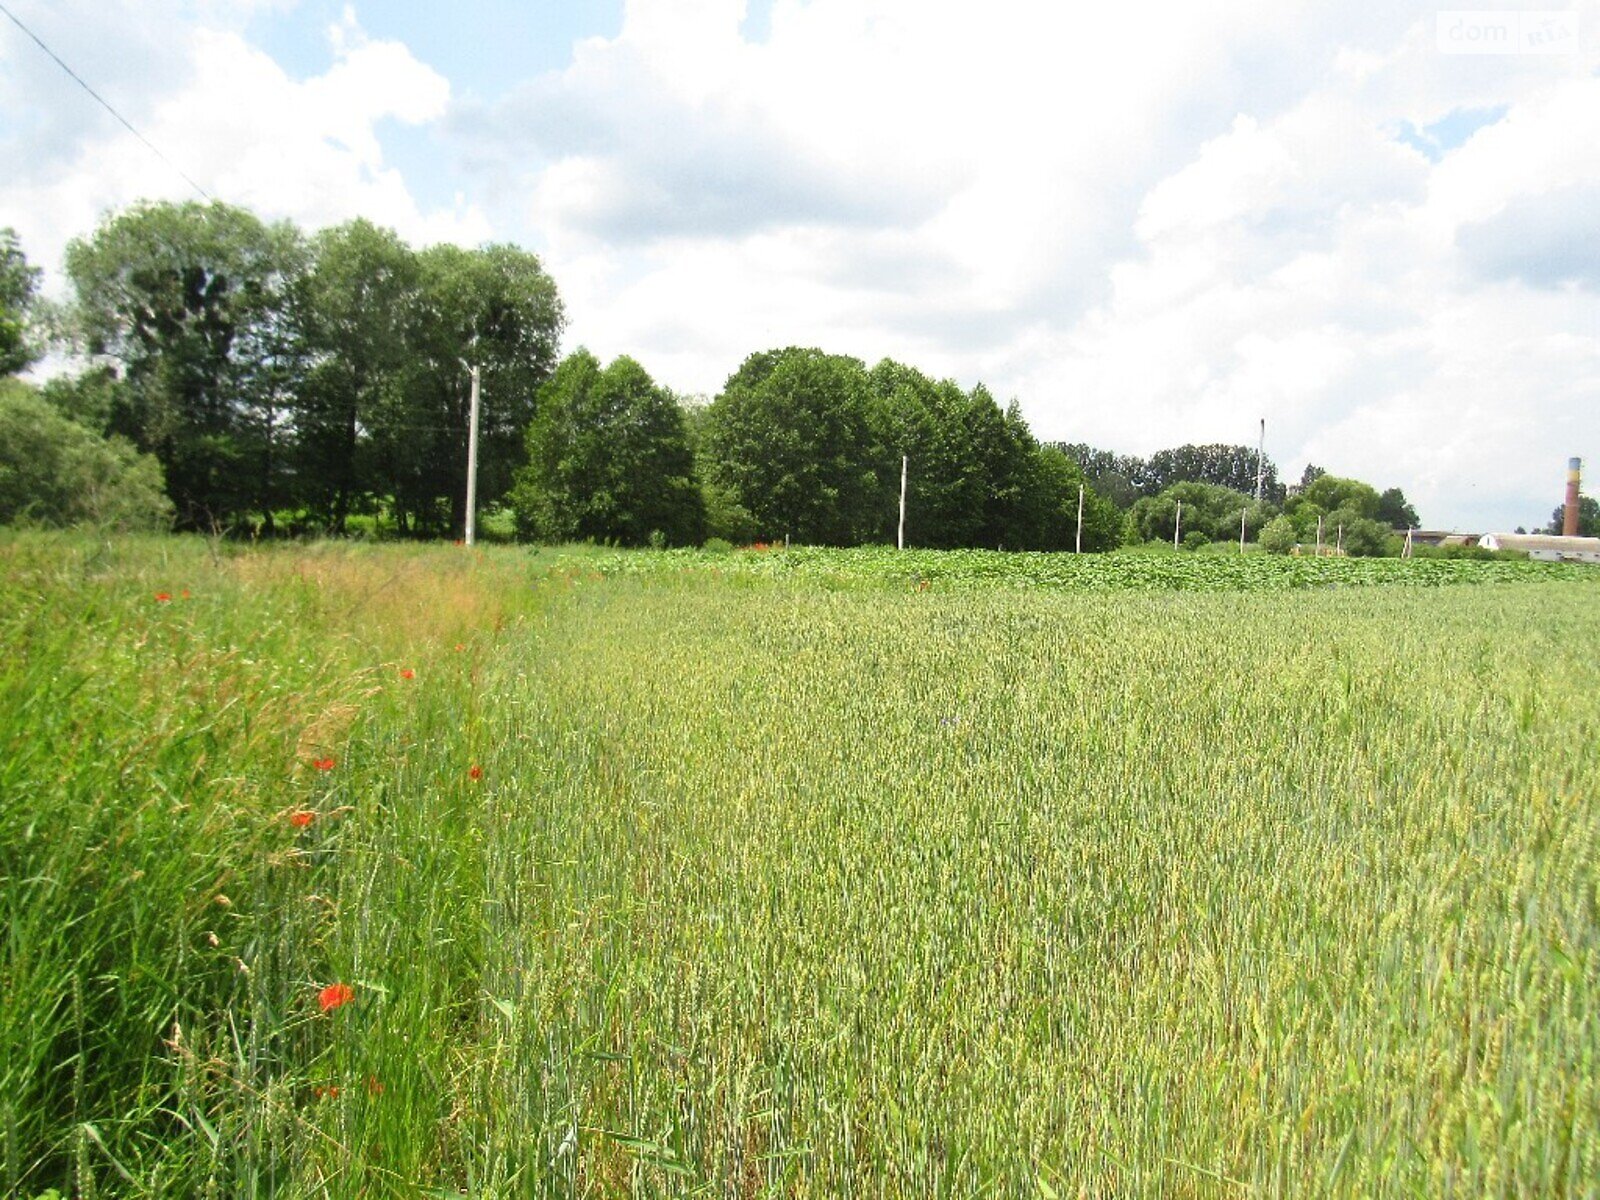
[1449, 131]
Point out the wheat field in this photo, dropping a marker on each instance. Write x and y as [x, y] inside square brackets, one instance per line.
[340, 871]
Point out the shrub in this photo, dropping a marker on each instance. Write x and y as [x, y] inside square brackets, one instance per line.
[1278, 536]
[55, 472]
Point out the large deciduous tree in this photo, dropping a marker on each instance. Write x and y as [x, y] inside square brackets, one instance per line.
[191, 300]
[608, 459]
[1395, 511]
[360, 304]
[791, 441]
[494, 308]
[925, 421]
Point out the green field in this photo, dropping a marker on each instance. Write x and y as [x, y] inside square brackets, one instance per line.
[794, 874]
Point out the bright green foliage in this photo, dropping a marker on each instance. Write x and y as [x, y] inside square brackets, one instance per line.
[1329, 493]
[1137, 570]
[726, 519]
[56, 472]
[88, 398]
[608, 460]
[1278, 536]
[1349, 510]
[769, 888]
[1207, 508]
[18, 282]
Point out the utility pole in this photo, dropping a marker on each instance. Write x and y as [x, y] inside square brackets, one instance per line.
[472, 462]
[1080, 520]
[1261, 458]
[1242, 513]
[1177, 525]
[905, 462]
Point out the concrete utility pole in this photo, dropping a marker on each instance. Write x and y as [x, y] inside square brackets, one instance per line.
[1261, 458]
[472, 463]
[1080, 519]
[1177, 525]
[905, 462]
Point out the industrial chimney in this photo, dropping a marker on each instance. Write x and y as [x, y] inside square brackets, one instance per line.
[1569, 520]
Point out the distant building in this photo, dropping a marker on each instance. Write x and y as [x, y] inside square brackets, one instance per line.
[1438, 537]
[1546, 547]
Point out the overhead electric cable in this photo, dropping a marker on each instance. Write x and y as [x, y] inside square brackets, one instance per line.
[104, 103]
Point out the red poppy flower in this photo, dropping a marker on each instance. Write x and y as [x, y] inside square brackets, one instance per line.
[475, 772]
[335, 994]
[322, 764]
[184, 593]
[163, 597]
[407, 673]
[326, 1093]
[302, 818]
[374, 1086]
[460, 646]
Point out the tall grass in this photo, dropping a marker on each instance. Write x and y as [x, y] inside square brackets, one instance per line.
[771, 890]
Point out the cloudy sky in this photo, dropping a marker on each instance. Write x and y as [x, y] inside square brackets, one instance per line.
[1151, 224]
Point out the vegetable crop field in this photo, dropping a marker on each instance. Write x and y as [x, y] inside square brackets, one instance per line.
[340, 870]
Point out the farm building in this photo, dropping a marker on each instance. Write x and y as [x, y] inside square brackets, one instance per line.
[1438, 537]
[1546, 547]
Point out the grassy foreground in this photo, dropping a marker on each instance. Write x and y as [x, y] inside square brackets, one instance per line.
[406, 872]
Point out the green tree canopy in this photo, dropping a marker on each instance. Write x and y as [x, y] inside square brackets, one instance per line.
[608, 459]
[494, 308]
[790, 439]
[1331, 492]
[1207, 508]
[1232, 467]
[359, 305]
[923, 420]
[18, 284]
[1395, 511]
[190, 299]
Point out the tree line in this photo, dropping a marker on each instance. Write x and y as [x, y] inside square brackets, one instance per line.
[247, 377]
[278, 381]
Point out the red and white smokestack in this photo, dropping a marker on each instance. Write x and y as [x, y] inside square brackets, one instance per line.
[1569, 519]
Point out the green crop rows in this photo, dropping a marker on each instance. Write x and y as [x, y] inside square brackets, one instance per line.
[959, 569]
[425, 872]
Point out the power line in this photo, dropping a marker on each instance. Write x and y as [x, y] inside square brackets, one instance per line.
[104, 103]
